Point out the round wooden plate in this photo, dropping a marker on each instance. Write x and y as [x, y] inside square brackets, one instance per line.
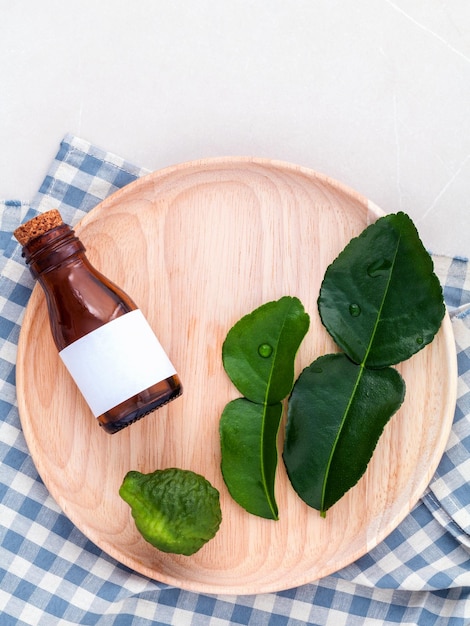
[198, 246]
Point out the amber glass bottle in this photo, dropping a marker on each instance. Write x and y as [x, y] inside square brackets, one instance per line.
[102, 337]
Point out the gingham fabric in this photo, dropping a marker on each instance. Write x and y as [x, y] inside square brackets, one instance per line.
[52, 574]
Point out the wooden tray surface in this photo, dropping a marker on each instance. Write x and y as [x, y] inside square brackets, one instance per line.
[197, 246]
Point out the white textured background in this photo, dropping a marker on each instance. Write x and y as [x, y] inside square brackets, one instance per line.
[375, 93]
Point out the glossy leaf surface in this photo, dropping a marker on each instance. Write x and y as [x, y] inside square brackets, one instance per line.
[259, 350]
[380, 299]
[337, 412]
[248, 436]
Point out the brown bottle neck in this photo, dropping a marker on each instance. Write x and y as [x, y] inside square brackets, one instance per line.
[52, 249]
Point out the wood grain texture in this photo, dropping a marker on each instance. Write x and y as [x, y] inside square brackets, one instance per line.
[198, 246]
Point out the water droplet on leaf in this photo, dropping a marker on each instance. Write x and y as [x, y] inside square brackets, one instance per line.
[316, 369]
[378, 268]
[354, 310]
[419, 340]
[265, 350]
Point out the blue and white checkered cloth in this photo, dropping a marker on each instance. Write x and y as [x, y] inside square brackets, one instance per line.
[51, 574]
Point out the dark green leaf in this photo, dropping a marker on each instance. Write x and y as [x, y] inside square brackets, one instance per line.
[259, 350]
[248, 435]
[380, 299]
[337, 412]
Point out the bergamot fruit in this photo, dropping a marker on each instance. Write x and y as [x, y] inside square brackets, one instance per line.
[175, 510]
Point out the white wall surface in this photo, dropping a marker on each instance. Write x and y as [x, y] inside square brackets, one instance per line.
[375, 93]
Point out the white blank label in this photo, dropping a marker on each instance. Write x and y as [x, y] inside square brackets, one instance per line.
[116, 361]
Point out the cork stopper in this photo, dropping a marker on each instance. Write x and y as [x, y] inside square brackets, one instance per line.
[38, 226]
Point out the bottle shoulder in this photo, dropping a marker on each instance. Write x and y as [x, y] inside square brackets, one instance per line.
[80, 300]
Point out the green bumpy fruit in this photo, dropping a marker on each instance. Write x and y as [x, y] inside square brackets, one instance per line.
[175, 510]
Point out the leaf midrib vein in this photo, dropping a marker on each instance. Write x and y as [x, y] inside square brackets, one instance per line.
[335, 443]
[263, 424]
[361, 371]
[384, 297]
